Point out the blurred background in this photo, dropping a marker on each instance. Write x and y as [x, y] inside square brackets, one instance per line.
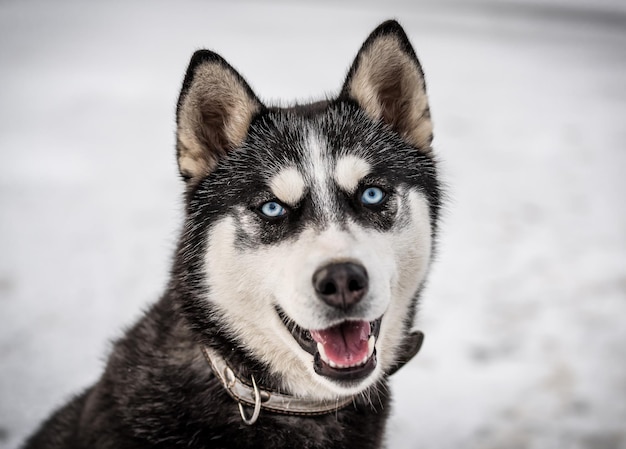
[525, 313]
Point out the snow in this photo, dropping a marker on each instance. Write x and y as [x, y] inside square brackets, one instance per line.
[524, 314]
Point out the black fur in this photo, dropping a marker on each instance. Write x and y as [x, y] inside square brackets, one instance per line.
[157, 390]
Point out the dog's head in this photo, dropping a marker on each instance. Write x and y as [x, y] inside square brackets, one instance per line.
[310, 229]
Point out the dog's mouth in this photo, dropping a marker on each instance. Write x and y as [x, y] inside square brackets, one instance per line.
[343, 352]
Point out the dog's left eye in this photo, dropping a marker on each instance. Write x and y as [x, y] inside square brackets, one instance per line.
[272, 209]
[372, 196]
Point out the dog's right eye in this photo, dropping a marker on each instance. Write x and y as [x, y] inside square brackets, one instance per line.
[272, 209]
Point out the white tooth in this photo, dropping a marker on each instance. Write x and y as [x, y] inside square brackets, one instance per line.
[332, 364]
[322, 351]
[370, 346]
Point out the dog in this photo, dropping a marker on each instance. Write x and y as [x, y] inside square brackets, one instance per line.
[308, 234]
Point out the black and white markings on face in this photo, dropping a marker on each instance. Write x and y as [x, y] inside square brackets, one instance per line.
[316, 193]
[295, 173]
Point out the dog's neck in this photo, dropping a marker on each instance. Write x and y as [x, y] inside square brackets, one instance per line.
[248, 394]
[236, 370]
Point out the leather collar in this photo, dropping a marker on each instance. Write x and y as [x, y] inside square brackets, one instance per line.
[251, 395]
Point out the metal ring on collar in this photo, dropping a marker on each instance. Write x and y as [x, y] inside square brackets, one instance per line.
[257, 406]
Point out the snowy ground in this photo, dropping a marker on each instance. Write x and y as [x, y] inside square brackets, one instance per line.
[525, 313]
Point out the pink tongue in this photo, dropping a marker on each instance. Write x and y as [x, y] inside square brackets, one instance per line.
[346, 343]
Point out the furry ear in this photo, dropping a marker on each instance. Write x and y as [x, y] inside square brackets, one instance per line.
[214, 111]
[387, 81]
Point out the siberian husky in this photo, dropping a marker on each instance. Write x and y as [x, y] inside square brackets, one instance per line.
[307, 238]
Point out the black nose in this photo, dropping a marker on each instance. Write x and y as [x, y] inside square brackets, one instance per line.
[341, 285]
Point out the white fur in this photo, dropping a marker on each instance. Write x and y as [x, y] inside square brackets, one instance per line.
[317, 168]
[412, 248]
[245, 284]
[349, 171]
[288, 186]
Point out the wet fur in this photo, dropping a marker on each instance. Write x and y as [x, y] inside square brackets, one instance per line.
[157, 390]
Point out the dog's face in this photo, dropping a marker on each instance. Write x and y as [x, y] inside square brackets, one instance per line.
[314, 224]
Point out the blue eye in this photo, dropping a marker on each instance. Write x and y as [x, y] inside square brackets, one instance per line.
[372, 196]
[272, 209]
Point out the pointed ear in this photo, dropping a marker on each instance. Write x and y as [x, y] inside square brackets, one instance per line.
[214, 111]
[387, 81]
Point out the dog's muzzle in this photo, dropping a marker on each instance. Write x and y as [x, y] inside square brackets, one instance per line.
[344, 351]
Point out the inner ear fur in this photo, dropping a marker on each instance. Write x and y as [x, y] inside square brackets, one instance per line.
[387, 81]
[215, 109]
